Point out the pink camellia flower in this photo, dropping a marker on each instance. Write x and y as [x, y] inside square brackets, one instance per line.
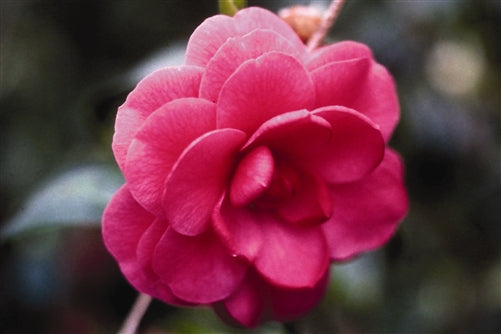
[251, 167]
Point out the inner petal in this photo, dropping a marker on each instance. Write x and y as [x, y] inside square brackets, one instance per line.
[252, 177]
[309, 203]
[198, 180]
[284, 182]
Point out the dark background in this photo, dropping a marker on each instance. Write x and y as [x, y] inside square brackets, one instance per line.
[65, 66]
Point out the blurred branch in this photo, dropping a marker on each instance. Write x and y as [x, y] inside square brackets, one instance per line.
[136, 314]
[327, 22]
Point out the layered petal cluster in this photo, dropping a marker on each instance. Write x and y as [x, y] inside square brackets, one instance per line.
[253, 166]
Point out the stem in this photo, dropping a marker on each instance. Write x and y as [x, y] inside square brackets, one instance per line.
[327, 22]
[135, 315]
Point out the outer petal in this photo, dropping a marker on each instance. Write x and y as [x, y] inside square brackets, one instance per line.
[355, 149]
[197, 269]
[260, 89]
[207, 38]
[160, 142]
[214, 31]
[152, 92]
[148, 281]
[163, 86]
[198, 179]
[360, 84]
[125, 222]
[339, 83]
[337, 52]
[379, 100]
[247, 305]
[288, 304]
[291, 256]
[237, 50]
[256, 300]
[366, 213]
[252, 18]
[149, 241]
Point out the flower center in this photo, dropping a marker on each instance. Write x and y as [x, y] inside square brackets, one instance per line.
[265, 181]
[281, 188]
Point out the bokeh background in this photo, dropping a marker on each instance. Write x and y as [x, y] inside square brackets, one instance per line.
[65, 66]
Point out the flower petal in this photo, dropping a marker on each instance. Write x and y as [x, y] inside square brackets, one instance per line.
[238, 228]
[149, 241]
[246, 306]
[288, 304]
[252, 18]
[146, 280]
[163, 86]
[336, 142]
[260, 89]
[197, 269]
[237, 50]
[378, 100]
[151, 93]
[127, 123]
[294, 256]
[309, 204]
[355, 149]
[366, 213]
[337, 52]
[256, 300]
[124, 222]
[198, 179]
[160, 142]
[252, 176]
[360, 84]
[296, 135]
[216, 30]
[340, 83]
[207, 38]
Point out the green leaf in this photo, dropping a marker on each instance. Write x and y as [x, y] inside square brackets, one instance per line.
[231, 7]
[76, 197]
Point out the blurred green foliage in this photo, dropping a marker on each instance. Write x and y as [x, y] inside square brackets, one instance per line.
[65, 66]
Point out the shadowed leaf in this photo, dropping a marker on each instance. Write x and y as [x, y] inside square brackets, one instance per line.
[76, 197]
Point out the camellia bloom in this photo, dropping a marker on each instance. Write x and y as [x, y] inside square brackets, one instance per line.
[251, 167]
